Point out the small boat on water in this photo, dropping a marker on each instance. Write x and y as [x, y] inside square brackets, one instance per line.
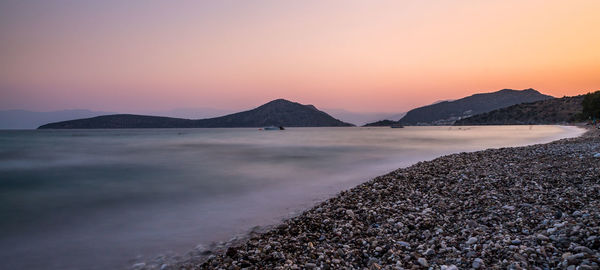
[272, 128]
[397, 126]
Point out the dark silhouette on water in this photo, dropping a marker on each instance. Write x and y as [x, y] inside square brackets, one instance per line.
[545, 112]
[447, 112]
[278, 113]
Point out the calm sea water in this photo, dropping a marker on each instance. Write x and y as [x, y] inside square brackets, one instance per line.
[105, 199]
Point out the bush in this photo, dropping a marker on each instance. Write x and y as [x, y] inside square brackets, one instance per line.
[591, 106]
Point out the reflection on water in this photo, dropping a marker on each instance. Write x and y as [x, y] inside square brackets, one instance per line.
[96, 199]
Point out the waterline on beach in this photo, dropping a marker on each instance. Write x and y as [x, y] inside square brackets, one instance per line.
[96, 199]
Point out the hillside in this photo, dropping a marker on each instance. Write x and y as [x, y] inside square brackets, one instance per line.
[447, 112]
[551, 111]
[278, 112]
[23, 119]
[381, 123]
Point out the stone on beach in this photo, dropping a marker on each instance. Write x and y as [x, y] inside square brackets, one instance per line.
[477, 263]
[472, 240]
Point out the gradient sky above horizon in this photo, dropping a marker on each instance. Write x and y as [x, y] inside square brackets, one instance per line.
[378, 56]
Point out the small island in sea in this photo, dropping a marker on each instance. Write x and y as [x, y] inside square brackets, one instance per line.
[279, 113]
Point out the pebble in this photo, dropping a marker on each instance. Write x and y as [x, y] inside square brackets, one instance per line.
[138, 265]
[423, 262]
[583, 249]
[429, 252]
[404, 244]
[575, 258]
[310, 265]
[508, 207]
[542, 237]
[472, 240]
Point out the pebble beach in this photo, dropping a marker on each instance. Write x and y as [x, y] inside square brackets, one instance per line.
[533, 207]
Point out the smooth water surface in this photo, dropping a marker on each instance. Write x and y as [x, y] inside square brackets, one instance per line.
[105, 199]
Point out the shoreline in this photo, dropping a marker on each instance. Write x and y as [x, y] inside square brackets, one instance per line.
[338, 250]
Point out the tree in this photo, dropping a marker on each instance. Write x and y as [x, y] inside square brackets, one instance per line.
[591, 105]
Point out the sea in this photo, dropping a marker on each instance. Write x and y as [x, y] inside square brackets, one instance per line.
[107, 199]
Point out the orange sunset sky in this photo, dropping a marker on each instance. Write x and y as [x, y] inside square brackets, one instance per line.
[366, 56]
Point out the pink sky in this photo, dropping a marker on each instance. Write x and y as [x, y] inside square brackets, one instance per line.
[385, 56]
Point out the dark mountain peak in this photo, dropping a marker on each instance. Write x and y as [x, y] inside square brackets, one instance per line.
[279, 101]
[285, 104]
[505, 90]
[279, 112]
[311, 107]
[508, 92]
[447, 112]
[282, 101]
[548, 111]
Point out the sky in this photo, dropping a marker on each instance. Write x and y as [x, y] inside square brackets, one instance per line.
[364, 56]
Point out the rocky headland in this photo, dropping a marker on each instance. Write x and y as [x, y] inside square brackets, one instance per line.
[533, 207]
[279, 112]
[447, 112]
[544, 112]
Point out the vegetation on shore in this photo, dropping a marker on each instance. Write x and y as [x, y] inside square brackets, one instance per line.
[551, 111]
[447, 112]
[591, 106]
[563, 110]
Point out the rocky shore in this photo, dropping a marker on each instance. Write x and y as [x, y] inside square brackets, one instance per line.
[534, 207]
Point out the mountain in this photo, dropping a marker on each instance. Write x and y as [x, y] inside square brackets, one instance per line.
[22, 119]
[447, 112]
[549, 111]
[361, 118]
[381, 123]
[278, 112]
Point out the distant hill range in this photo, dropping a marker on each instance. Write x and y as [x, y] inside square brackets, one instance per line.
[278, 112]
[448, 112]
[549, 111]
